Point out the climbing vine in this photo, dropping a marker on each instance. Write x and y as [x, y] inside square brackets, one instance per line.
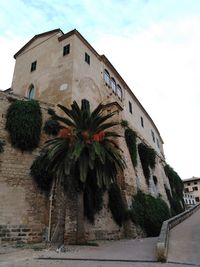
[130, 137]
[149, 213]
[176, 184]
[148, 159]
[41, 175]
[93, 199]
[116, 204]
[2, 143]
[23, 122]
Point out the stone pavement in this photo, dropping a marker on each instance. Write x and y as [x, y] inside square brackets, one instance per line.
[184, 241]
[134, 253]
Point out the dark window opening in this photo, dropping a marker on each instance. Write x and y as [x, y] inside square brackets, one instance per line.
[31, 92]
[66, 49]
[119, 91]
[130, 107]
[153, 136]
[142, 122]
[107, 77]
[33, 65]
[158, 144]
[195, 182]
[188, 183]
[113, 85]
[195, 188]
[197, 199]
[186, 190]
[87, 58]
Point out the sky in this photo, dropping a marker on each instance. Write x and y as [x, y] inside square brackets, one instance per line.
[154, 45]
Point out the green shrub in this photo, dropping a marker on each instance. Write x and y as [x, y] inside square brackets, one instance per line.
[23, 122]
[149, 213]
[124, 124]
[51, 127]
[130, 137]
[2, 144]
[176, 184]
[116, 204]
[40, 173]
[148, 159]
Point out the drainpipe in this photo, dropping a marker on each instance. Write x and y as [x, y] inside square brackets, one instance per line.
[50, 210]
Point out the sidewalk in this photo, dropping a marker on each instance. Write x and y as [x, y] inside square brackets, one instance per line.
[184, 241]
[127, 253]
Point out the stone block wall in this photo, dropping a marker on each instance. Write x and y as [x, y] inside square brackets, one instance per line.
[23, 208]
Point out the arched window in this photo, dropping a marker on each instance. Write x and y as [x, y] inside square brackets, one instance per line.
[31, 92]
[106, 77]
[113, 85]
[119, 91]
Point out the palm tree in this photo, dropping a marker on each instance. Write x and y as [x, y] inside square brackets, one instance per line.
[84, 149]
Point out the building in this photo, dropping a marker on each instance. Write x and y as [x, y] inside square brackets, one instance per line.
[192, 186]
[58, 68]
[189, 199]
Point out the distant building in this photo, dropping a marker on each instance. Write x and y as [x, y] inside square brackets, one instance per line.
[189, 199]
[192, 187]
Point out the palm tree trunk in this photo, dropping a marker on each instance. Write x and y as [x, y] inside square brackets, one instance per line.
[80, 231]
[60, 211]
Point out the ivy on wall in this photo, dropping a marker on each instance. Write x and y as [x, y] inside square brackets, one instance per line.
[23, 122]
[176, 184]
[40, 173]
[2, 144]
[93, 200]
[149, 213]
[148, 159]
[116, 204]
[52, 127]
[130, 137]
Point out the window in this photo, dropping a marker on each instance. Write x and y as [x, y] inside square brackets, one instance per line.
[153, 136]
[142, 122]
[113, 85]
[107, 77]
[130, 107]
[195, 188]
[33, 66]
[197, 199]
[66, 49]
[186, 190]
[87, 58]
[119, 91]
[195, 182]
[188, 183]
[158, 144]
[31, 92]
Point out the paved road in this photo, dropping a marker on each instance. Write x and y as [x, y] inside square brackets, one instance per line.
[184, 251]
[184, 241]
[127, 253]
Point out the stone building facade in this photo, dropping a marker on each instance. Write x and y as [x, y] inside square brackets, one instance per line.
[192, 187]
[58, 68]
